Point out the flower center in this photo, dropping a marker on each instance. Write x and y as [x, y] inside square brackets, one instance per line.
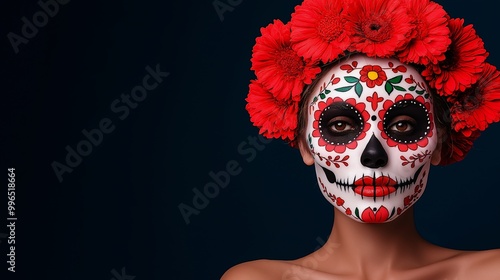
[470, 100]
[374, 27]
[451, 58]
[329, 27]
[289, 62]
[376, 30]
[373, 75]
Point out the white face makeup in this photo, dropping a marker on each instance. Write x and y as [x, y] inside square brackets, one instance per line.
[371, 132]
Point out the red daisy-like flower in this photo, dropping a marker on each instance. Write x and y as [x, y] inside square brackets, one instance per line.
[277, 66]
[380, 27]
[457, 146]
[403, 147]
[360, 107]
[274, 118]
[431, 38]
[479, 105]
[372, 75]
[318, 31]
[464, 59]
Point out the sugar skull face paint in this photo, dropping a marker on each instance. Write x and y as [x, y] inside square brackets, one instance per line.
[371, 132]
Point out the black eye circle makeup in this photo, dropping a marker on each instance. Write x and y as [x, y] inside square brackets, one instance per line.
[340, 123]
[407, 121]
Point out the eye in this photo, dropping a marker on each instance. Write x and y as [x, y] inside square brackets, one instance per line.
[341, 125]
[402, 124]
[407, 121]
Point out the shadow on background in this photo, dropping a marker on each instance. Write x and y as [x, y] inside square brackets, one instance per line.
[135, 159]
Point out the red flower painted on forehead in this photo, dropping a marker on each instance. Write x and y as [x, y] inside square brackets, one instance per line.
[403, 147]
[372, 75]
[322, 105]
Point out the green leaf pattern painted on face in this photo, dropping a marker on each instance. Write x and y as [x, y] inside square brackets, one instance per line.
[351, 79]
[358, 88]
[344, 89]
[396, 80]
[390, 85]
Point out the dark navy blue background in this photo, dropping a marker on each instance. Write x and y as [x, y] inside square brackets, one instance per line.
[117, 213]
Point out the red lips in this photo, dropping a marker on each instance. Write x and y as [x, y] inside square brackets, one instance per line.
[370, 187]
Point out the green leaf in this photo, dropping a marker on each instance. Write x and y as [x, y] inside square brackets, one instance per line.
[315, 99]
[412, 88]
[420, 91]
[396, 80]
[322, 95]
[388, 88]
[351, 79]
[399, 88]
[327, 91]
[358, 89]
[356, 212]
[344, 89]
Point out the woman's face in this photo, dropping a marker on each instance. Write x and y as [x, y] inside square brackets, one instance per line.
[372, 135]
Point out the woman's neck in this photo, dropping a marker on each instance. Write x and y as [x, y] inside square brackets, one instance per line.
[375, 248]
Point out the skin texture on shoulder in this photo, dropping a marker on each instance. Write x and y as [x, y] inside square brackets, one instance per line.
[484, 265]
[368, 256]
[258, 269]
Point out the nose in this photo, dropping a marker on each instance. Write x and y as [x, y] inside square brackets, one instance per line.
[374, 155]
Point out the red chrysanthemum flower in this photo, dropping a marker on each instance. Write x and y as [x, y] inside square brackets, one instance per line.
[457, 147]
[274, 118]
[380, 27]
[464, 59]
[431, 38]
[372, 75]
[277, 66]
[318, 31]
[479, 105]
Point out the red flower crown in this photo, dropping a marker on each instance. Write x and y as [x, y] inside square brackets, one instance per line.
[287, 57]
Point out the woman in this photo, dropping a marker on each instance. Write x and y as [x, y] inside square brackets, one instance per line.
[372, 93]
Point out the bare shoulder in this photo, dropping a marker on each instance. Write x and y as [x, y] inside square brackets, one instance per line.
[258, 269]
[482, 265]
